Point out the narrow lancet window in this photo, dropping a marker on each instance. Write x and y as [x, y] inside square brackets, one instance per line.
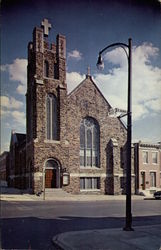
[52, 117]
[46, 68]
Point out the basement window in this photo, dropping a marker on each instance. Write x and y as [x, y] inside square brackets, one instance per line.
[89, 183]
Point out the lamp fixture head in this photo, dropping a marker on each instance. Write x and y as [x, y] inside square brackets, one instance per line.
[100, 63]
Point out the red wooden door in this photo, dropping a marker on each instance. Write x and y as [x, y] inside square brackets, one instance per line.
[50, 178]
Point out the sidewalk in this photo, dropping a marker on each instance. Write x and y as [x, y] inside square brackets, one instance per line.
[32, 197]
[67, 197]
[142, 238]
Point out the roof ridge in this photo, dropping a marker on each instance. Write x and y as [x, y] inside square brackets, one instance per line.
[90, 78]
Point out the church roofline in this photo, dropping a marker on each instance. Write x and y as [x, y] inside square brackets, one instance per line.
[81, 83]
[90, 78]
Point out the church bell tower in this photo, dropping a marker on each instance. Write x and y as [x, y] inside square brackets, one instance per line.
[46, 77]
[46, 102]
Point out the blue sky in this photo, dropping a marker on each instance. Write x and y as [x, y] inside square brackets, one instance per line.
[89, 26]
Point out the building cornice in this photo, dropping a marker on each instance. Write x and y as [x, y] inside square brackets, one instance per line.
[150, 145]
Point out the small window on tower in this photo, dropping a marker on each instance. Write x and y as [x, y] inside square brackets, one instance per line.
[56, 75]
[46, 68]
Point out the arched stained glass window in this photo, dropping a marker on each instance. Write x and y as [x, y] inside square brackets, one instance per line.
[52, 117]
[46, 68]
[89, 143]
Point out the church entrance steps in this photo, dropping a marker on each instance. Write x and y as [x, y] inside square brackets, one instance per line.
[56, 192]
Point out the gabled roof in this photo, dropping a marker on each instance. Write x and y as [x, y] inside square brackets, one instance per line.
[88, 77]
[17, 138]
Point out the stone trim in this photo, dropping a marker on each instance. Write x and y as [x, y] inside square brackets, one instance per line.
[87, 175]
[90, 190]
[90, 168]
[51, 141]
[97, 175]
[114, 142]
[39, 81]
[38, 174]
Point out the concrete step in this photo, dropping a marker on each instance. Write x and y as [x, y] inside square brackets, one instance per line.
[55, 192]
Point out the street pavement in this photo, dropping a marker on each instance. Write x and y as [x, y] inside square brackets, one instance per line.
[145, 237]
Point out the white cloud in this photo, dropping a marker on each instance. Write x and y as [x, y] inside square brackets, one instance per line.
[75, 54]
[73, 79]
[116, 56]
[5, 113]
[154, 104]
[10, 103]
[5, 147]
[146, 80]
[21, 89]
[11, 112]
[16, 119]
[4, 67]
[19, 117]
[139, 111]
[17, 72]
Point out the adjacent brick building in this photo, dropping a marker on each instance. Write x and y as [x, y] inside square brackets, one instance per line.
[72, 142]
[4, 168]
[148, 167]
[17, 161]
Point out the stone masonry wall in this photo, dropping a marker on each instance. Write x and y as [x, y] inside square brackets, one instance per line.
[85, 101]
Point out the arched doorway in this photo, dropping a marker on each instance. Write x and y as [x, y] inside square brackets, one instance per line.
[52, 174]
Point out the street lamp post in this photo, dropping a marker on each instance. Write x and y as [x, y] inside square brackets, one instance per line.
[128, 225]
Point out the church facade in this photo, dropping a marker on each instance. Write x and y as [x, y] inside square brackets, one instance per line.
[72, 142]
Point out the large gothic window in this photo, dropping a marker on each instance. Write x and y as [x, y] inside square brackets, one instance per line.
[89, 143]
[46, 68]
[52, 117]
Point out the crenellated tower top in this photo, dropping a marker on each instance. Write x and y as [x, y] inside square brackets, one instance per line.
[41, 51]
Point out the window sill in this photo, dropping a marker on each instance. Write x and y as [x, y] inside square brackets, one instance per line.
[52, 141]
[50, 78]
[81, 167]
[90, 190]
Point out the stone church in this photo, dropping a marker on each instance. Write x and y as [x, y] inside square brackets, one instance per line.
[72, 142]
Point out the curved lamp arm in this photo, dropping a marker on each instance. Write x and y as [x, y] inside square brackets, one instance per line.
[122, 45]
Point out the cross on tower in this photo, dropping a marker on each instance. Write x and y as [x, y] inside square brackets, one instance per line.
[46, 26]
